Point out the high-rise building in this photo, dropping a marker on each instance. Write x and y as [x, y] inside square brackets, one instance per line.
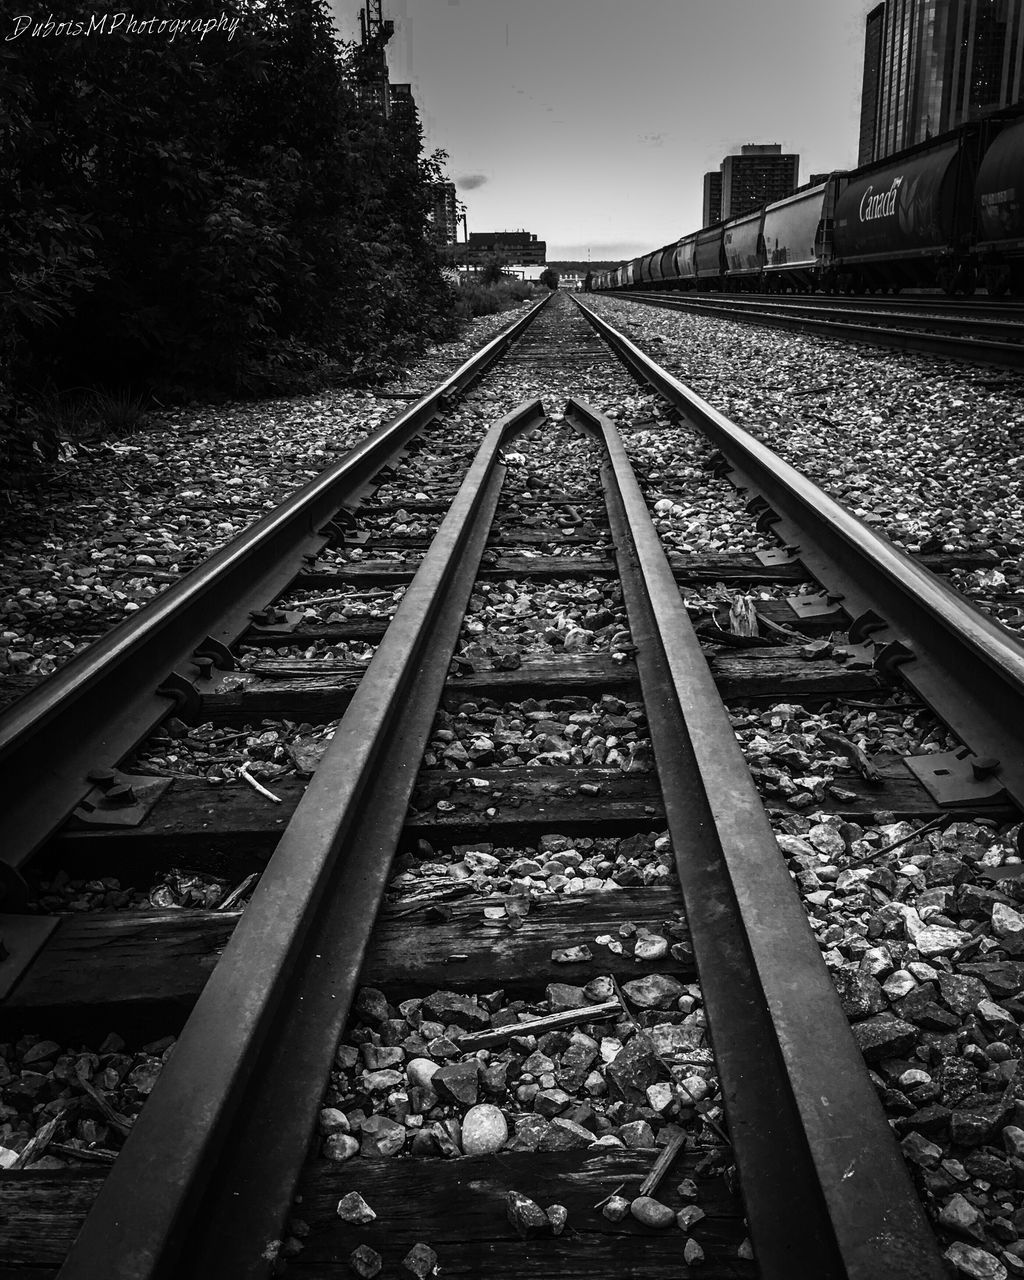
[712, 206]
[760, 174]
[443, 213]
[930, 65]
[402, 108]
[874, 25]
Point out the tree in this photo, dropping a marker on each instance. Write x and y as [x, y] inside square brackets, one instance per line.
[491, 270]
[549, 277]
[187, 215]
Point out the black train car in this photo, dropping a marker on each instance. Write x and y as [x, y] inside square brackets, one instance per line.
[907, 220]
[999, 194]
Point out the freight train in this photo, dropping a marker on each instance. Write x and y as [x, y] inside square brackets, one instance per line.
[947, 213]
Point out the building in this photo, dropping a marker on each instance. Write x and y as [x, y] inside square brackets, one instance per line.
[760, 174]
[444, 220]
[520, 247]
[874, 24]
[930, 65]
[402, 109]
[712, 206]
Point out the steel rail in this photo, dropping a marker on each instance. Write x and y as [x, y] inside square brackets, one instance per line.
[826, 1191]
[205, 1180]
[966, 667]
[940, 302]
[95, 709]
[1008, 355]
[889, 318]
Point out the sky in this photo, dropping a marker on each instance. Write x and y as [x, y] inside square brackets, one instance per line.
[591, 123]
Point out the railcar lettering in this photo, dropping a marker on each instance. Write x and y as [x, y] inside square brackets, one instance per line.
[882, 205]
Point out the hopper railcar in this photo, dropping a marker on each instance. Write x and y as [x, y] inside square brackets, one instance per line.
[947, 213]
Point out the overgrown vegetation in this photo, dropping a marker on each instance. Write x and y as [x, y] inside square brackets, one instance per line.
[479, 299]
[193, 216]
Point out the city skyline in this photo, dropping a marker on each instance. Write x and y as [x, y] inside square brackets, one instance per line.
[592, 124]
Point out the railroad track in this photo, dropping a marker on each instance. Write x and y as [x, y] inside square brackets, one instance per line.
[952, 330]
[414, 897]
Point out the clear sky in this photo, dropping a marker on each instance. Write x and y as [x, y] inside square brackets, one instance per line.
[592, 122]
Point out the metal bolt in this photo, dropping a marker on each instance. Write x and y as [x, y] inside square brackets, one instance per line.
[205, 666]
[102, 778]
[122, 794]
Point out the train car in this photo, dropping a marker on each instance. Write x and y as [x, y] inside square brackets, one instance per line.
[667, 265]
[999, 208]
[798, 238]
[686, 262]
[708, 257]
[743, 250]
[908, 220]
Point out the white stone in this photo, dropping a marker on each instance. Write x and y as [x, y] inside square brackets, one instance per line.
[341, 1146]
[937, 940]
[353, 1208]
[660, 1096]
[484, 1129]
[421, 1072]
[1005, 920]
[695, 1089]
[610, 1049]
[899, 984]
[650, 947]
[651, 1212]
[977, 1263]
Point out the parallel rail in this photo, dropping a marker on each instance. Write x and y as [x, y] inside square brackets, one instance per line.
[944, 336]
[966, 667]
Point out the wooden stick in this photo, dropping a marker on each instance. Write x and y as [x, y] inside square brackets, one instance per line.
[38, 1144]
[230, 898]
[661, 1165]
[93, 1155]
[537, 1026]
[114, 1118]
[601, 1203]
[777, 629]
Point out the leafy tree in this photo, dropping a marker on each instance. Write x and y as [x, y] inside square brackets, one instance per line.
[549, 277]
[188, 215]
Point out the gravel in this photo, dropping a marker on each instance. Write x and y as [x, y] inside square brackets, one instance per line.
[111, 525]
[91, 1095]
[930, 449]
